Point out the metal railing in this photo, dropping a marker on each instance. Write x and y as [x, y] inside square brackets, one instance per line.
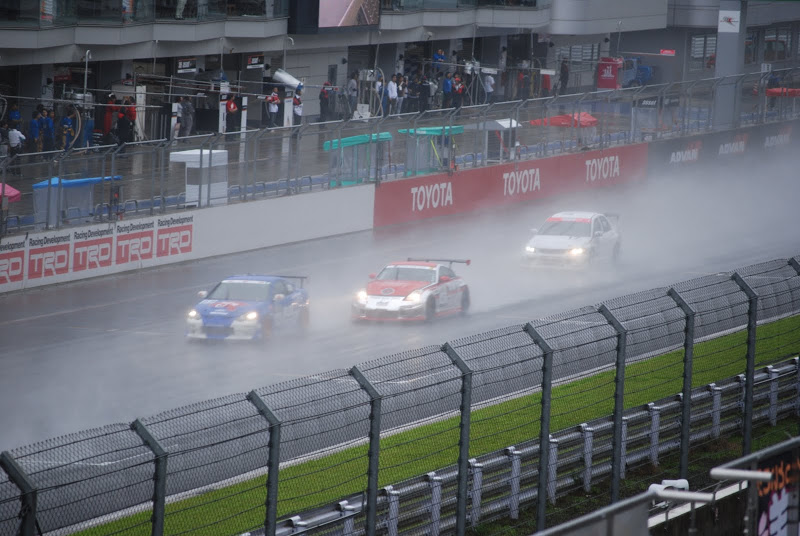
[289, 160]
[542, 392]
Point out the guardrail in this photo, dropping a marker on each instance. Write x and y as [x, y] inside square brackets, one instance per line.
[288, 160]
[354, 431]
[505, 481]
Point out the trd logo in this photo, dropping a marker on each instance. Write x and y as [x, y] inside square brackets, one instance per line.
[134, 247]
[47, 262]
[91, 254]
[174, 241]
[11, 267]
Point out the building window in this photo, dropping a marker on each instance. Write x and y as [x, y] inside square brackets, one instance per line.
[580, 57]
[751, 48]
[777, 44]
[703, 49]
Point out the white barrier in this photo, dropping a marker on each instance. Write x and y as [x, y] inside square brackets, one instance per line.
[46, 258]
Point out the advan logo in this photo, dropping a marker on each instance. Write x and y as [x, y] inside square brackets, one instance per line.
[174, 241]
[603, 168]
[521, 182]
[783, 138]
[737, 146]
[431, 196]
[690, 154]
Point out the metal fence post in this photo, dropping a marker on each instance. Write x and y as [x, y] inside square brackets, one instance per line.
[159, 476]
[273, 462]
[477, 488]
[374, 448]
[655, 426]
[463, 440]
[619, 400]
[516, 473]
[544, 430]
[29, 492]
[688, 359]
[588, 445]
[750, 371]
[716, 409]
[773, 395]
[436, 502]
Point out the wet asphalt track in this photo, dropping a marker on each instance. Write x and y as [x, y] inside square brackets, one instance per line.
[108, 350]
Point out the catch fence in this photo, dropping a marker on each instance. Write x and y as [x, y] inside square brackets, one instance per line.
[153, 177]
[527, 422]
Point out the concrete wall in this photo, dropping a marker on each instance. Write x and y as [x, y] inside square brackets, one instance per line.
[578, 17]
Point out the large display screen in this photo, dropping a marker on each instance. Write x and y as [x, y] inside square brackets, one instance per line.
[348, 13]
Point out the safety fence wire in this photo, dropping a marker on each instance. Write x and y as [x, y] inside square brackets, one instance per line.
[506, 416]
[655, 333]
[10, 506]
[324, 439]
[90, 474]
[213, 447]
[584, 351]
[421, 395]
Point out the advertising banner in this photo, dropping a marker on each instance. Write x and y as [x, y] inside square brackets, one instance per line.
[93, 248]
[174, 235]
[134, 242]
[777, 497]
[608, 73]
[12, 263]
[48, 255]
[464, 191]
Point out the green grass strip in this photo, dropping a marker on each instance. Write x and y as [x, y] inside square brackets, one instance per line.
[433, 446]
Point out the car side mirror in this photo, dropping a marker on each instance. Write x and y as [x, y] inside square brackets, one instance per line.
[534, 230]
[373, 276]
[202, 294]
[444, 279]
[598, 234]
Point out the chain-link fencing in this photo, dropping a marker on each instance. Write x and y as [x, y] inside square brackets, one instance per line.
[529, 423]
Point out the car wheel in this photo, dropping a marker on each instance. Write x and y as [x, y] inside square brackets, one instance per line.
[304, 319]
[465, 301]
[266, 330]
[430, 310]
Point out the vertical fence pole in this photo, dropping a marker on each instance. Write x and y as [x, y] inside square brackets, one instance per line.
[688, 359]
[273, 462]
[159, 476]
[29, 492]
[750, 371]
[374, 448]
[463, 440]
[619, 400]
[544, 430]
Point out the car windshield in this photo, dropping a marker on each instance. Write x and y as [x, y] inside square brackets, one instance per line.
[566, 228]
[408, 273]
[240, 291]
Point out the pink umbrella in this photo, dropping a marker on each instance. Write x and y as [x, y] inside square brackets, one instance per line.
[10, 192]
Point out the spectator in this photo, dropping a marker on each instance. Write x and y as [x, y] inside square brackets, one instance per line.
[297, 105]
[130, 109]
[564, 77]
[424, 94]
[15, 140]
[458, 92]
[447, 90]
[352, 92]
[124, 128]
[454, 62]
[273, 100]
[488, 86]
[438, 59]
[49, 131]
[325, 102]
[545, 89]
[14, 116]
[35, 133]
[391, 94]
[4, 139]
[772, 82]
[177, 129]
[111, 109]
[401, 93]
[187, 117]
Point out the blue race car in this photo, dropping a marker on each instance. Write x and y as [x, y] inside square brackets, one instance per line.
[249, 307]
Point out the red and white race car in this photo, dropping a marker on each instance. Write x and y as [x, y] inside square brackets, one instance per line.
[412, 290]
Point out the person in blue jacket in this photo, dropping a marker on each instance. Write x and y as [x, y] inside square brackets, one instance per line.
[68, 125]
[35, 133]
[49, 131]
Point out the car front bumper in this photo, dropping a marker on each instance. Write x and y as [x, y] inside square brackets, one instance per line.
[237, 331]
[409, 313]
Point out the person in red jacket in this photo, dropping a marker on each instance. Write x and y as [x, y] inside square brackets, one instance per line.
[130, 110]
[111, 109]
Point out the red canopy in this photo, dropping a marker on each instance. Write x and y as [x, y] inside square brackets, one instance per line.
[11, 193]
[568, 120]
[783, 92]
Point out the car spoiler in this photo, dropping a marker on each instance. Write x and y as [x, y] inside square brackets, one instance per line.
[301, 278]
[451, 261]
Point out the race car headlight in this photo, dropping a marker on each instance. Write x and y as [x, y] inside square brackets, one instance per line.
[530, 249]
[576, 251]
[361, 296]
[251, 316]
[414, 297]
[192, 314]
